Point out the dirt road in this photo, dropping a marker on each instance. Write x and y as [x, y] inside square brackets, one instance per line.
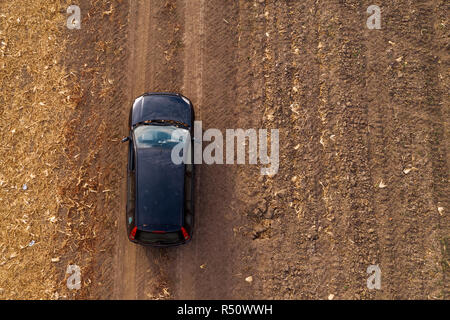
[363, 132]
[167, 43]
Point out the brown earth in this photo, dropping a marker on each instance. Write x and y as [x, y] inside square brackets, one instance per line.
[363, 177]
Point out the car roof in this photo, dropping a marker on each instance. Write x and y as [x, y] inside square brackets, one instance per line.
[159, 190]
[162, 106]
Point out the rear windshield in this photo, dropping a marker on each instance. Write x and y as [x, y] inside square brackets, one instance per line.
[159, 238]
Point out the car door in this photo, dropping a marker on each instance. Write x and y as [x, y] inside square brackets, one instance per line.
[189, 192]
[131, 188]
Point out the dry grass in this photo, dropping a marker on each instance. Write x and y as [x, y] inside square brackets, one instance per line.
[67, 212]
[34, 101]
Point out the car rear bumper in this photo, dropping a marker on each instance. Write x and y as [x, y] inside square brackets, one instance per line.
[160, 245]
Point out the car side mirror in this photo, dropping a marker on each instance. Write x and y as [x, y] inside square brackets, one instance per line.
[125, 139]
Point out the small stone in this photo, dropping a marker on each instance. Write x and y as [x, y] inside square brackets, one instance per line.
[249, 279]
[259, 228]
[270, 212]
[331, 296]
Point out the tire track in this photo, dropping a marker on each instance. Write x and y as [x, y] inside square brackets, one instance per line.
[346, 188]
[127, 253]
[192, 88]
[404, 94]
[203, 267]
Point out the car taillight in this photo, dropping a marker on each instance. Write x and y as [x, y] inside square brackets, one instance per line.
[185, 234]
[156, 231]
[133, 233]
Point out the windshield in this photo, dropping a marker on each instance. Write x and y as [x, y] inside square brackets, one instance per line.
[150, 136]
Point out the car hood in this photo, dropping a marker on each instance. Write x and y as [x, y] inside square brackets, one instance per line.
[161, 107]
[160, 190]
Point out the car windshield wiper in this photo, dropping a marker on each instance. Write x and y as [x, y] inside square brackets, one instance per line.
[178, 124]
[163, 123]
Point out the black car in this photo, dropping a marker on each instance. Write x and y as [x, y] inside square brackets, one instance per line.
[160, 206]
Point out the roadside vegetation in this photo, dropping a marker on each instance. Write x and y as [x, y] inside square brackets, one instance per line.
[35, 102]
